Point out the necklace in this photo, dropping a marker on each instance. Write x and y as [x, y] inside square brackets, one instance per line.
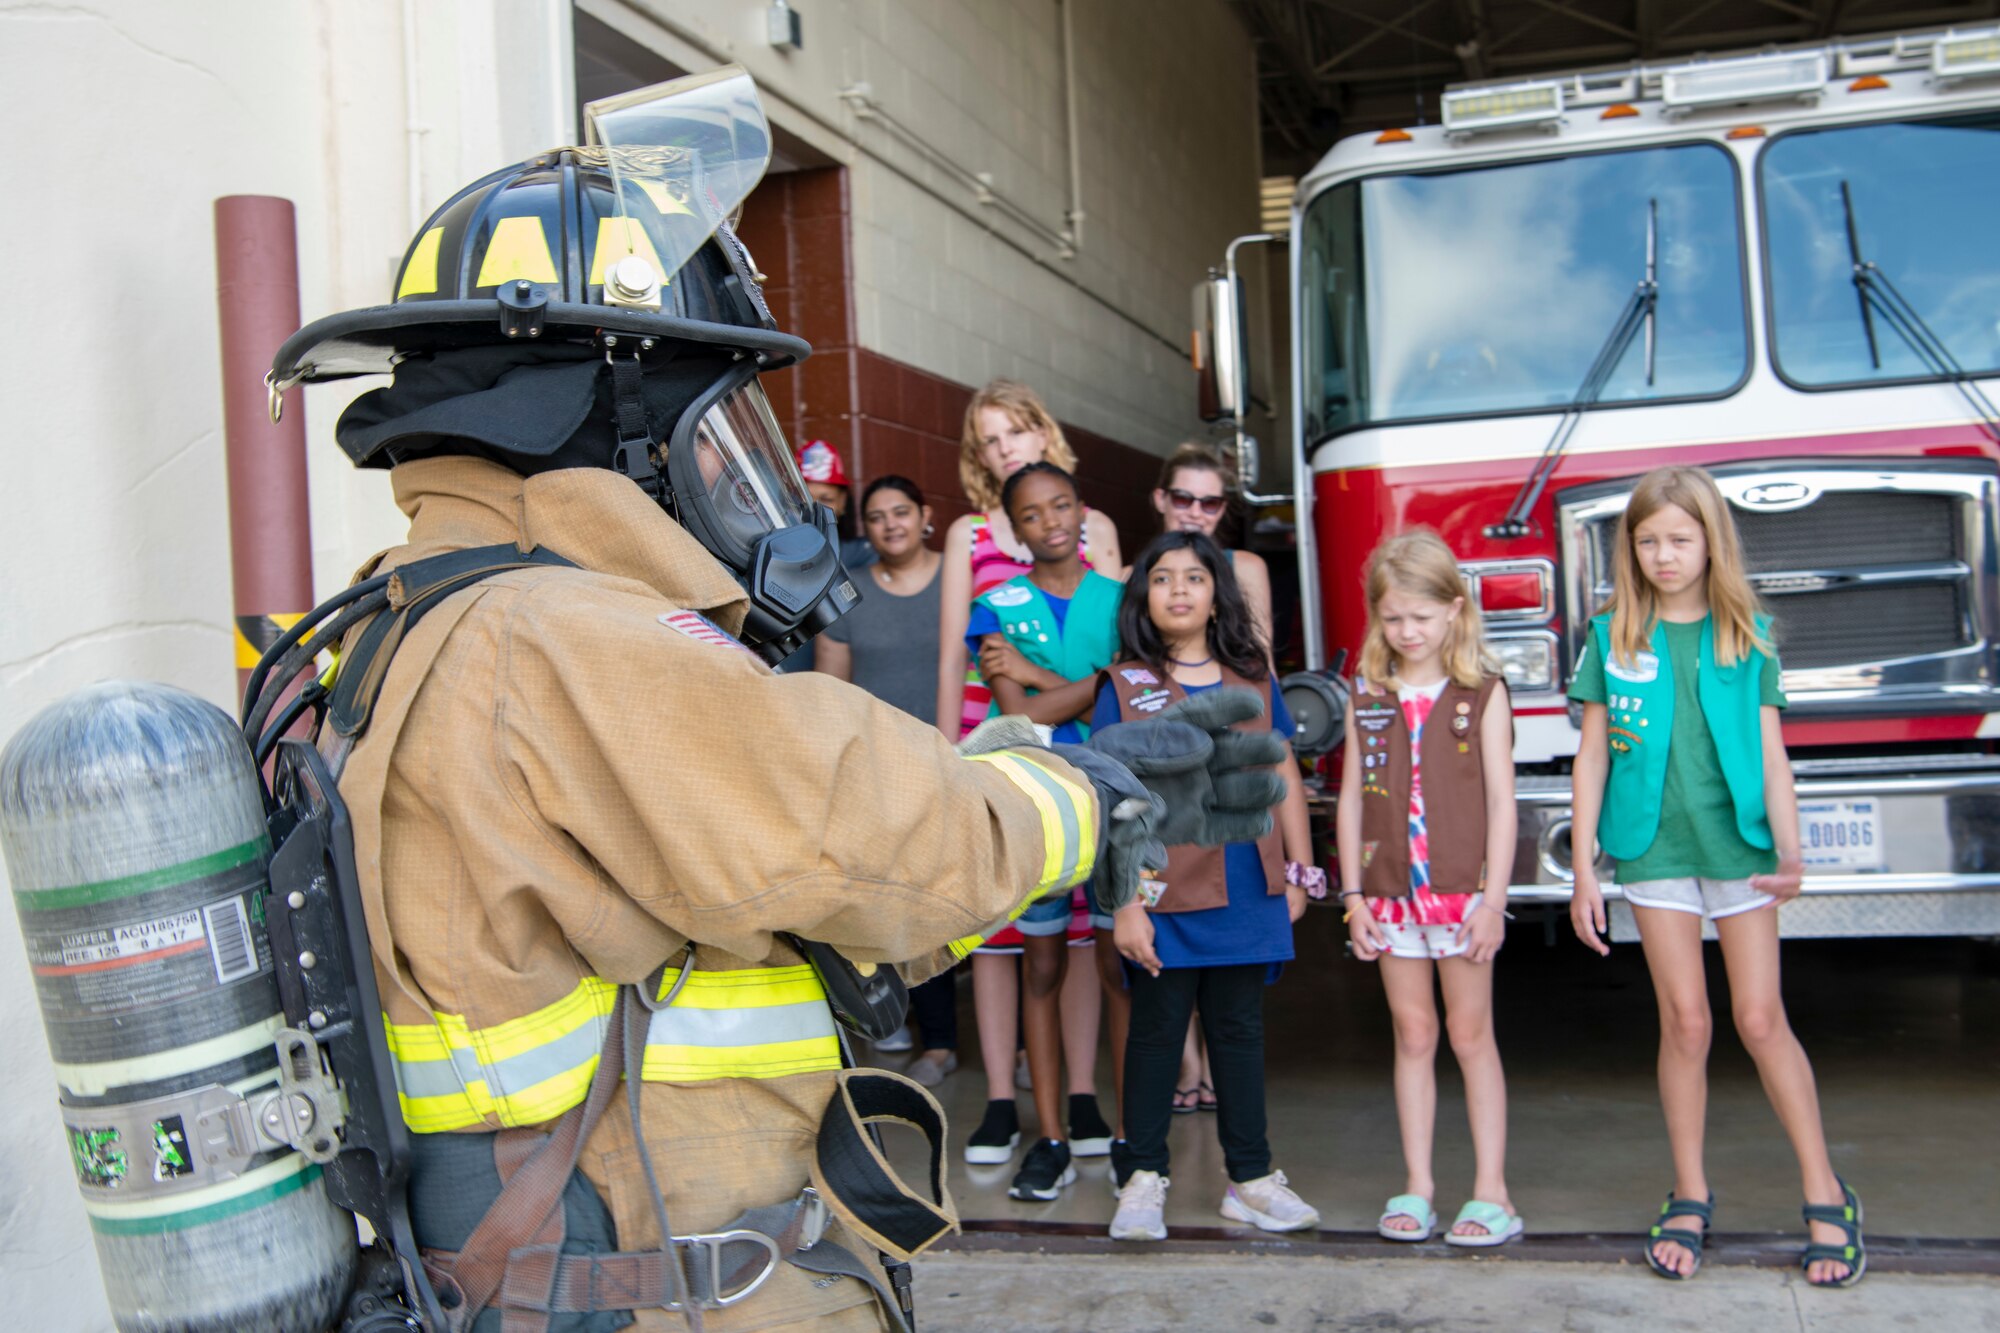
[1203, 662]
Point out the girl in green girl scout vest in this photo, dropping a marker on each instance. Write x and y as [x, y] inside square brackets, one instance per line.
[1040, 639]
[1683, 780]
[1426, 832]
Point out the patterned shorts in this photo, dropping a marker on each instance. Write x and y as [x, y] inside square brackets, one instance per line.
[1409, 939]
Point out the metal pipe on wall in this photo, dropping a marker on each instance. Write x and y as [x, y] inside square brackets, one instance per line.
[270, 524]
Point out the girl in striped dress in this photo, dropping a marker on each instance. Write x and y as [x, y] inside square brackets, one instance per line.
[1426, 832]
[1006, 428]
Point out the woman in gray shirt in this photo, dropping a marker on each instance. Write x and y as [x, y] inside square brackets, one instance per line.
[888, 645]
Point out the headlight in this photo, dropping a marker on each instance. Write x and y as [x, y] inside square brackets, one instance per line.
[1528, 661]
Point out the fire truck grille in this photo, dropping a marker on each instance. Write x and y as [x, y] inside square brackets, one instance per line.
[1880, 584]
[1853, 528]
[1843, 625]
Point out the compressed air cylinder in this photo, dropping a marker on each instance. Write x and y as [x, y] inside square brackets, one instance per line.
[133, 830]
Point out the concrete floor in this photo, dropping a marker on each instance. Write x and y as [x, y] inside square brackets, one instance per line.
[969, 1293]
[1904, 1036]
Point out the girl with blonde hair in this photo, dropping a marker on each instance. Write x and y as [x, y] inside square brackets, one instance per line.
[1426, 831]
[1006, 428]
[1683, 780]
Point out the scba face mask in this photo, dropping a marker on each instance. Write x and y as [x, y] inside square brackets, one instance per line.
[733, 483]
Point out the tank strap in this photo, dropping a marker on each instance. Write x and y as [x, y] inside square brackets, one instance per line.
[414, 589]
[513, 1260]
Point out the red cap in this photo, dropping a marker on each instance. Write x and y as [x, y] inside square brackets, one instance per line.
[818, 462]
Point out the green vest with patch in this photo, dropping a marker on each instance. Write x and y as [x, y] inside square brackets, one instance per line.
[1639, 698]
[1083, 642]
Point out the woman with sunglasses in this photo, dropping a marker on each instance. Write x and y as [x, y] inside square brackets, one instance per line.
[1193, 496]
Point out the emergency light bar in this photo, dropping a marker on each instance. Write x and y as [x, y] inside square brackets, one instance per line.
[1964, 55]
[1758, 79]
[1476, 109]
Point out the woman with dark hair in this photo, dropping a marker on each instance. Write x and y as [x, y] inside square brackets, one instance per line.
[1220, 925]
[1197, 489]
[888, 646]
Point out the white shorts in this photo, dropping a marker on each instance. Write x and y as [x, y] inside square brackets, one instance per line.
[1712, 898]
[1408, 939]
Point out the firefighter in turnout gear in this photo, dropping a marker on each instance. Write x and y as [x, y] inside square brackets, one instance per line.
[594, 834]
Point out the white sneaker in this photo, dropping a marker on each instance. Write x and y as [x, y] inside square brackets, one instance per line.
[1141, 1208]
[1268, 1204]
[899, 1040]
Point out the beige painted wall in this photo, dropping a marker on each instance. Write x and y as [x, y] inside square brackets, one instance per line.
[1167, 155]
[127, 118]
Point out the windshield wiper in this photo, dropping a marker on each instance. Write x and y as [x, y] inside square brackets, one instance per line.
[1877, 294]
[1638, 314]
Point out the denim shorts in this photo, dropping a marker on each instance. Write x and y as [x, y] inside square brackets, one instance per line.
[1712, 898]
[1050, 915]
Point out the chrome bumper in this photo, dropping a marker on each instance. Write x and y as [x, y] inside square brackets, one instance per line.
[1941, 829]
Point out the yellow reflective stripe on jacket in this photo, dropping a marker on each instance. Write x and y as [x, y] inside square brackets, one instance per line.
[1068, 811]
[760, 1022]
[753, 1023]
[521, 1072]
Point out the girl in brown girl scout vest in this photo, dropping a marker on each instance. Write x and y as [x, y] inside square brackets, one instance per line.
[1426, 832]
[1220, 925]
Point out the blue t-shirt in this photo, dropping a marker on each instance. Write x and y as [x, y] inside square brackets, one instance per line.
[1255, 926]
[984, 622]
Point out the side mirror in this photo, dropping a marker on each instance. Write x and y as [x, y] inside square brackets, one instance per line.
[1222, 376]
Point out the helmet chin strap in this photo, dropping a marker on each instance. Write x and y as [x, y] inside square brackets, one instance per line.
[634, 454]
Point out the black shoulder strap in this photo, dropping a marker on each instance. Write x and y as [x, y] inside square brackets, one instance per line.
[414, 589]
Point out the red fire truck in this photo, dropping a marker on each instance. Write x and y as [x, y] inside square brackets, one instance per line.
[1780, 266]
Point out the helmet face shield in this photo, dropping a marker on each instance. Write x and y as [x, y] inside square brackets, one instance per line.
[682, 158]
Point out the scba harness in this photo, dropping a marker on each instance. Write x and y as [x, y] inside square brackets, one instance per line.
[538, 1252]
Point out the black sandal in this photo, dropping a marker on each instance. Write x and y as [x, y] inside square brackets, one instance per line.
[1692, 1241]
[1853, 1253]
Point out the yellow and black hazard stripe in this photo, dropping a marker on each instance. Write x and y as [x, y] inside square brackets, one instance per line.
[256, 634]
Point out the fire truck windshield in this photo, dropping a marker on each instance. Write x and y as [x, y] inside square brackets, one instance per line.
[1924, 196]
[1489, 290]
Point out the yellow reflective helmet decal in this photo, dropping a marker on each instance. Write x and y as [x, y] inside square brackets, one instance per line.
[662, 198]
[519, 249]
[616, 238]
[420, 270]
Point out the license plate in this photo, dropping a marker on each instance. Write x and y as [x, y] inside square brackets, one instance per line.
[1842, 835]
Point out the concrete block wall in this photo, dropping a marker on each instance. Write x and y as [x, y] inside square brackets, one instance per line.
[1168, 157]
[131, 117]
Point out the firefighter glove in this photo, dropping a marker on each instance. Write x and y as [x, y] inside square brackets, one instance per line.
[1217, 782]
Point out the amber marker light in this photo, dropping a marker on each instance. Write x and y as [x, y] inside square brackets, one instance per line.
[1746, 132]
[1618, 111]
[1392, 136]
[1867, 83]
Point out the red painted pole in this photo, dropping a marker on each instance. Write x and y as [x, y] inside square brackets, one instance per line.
[270, 528]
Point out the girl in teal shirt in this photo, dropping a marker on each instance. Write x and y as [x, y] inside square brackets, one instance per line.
[1683, 780]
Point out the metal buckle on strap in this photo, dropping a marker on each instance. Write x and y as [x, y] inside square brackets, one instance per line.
[813, 1217]
[708, 1248]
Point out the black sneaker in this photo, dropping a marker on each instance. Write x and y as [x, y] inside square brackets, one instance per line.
[993, 1143]
[1045, 1171]
[1121, 1164]
[1089, 1136]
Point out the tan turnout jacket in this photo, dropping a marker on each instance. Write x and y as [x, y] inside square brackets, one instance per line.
[559, 790]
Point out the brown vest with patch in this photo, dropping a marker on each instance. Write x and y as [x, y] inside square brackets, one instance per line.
[1196, 876]
[1454, 790]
